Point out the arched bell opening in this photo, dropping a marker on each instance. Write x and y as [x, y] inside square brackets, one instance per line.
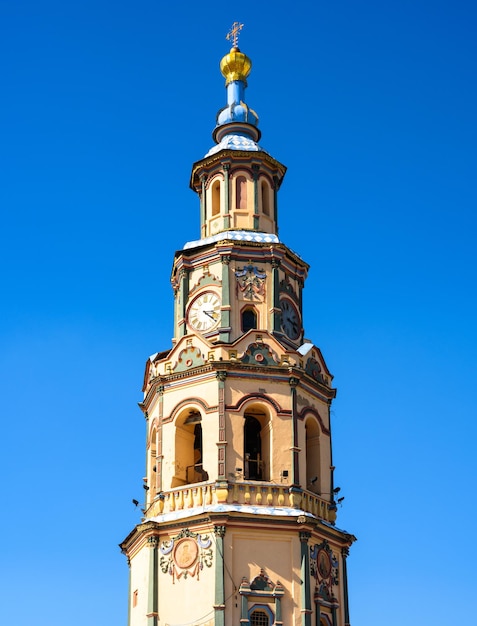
[215, 198]
[241, 193]
[256, 443]
[312, 434]
[265, 196]
[189, 463]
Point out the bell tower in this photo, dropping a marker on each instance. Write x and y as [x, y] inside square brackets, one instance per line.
[239, 521]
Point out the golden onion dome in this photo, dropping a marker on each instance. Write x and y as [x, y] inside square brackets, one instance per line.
[235, 66]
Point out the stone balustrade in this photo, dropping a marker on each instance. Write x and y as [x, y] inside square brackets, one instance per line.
[252, 493]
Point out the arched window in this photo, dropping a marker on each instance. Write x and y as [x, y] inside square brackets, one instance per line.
[265, 198]
[241, 192]
[249, 319]
[312, 431]
[256, 439]
[253, 448]
[189, 466]
[216, 198]
[260, 615]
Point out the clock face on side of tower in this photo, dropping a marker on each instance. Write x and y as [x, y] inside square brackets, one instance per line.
[204, 312]
[291, 322]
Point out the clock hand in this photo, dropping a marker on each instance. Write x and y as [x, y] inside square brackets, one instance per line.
[211, 314]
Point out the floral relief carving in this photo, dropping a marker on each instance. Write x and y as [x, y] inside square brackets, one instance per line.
[251, 282]
[185, 555]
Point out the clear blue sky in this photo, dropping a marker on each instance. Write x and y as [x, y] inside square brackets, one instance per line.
[104, 108]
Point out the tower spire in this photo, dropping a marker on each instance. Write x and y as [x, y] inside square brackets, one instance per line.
[236, 118]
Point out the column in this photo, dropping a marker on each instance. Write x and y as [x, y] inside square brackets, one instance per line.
[332, 508]
[305, 580]
[224, 333]
[146, 486]
[333, 615]
[152, 590]
[219, 605]
[256, 220]
[275, 200]
[344, 554]
[184, 295]
[278, 612]
[221, 376]
[295, 449]
[244, 621]
[226, 168]
[276, 311]
[203, 207]
[159, 455]
[317, 611]
[278, 594]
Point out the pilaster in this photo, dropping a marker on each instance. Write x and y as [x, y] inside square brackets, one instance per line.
[152, 589]
[276, 185]
[221, 376]
[219, 606]
[159, 454]
[224, 333]
[305, 580]
[344, 556]
[256, 219]
[293, 381]
[226, 168]
[203, 206]
[275, 313]
[184, 295]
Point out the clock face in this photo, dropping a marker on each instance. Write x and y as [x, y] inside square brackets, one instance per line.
[204, 312]
[290, 323]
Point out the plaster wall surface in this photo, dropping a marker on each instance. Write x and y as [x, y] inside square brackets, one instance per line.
[278, 553]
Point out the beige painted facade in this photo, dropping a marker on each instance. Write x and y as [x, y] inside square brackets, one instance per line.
[239, 523]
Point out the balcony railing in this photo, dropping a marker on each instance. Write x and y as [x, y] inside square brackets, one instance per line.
[244, 492]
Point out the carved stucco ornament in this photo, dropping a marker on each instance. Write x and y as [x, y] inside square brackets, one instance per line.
[324, 568]
[185, 555]
[251, 282]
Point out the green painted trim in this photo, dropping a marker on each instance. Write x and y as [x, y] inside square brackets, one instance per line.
[152, 588]
[344, 554]
[305, 580]
[318, 614]
[184, 296]
[278, 611]
[244, 621]
[221, 448]
[224, 333]
[226, 168]
[203, 207]
[276, 317]
[256, 222]
[226, 188]
[219, 606]
[176, 312]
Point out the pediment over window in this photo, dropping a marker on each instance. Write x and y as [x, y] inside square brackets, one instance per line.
[261, 585]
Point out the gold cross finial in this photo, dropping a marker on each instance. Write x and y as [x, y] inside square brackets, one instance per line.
[233, 33]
